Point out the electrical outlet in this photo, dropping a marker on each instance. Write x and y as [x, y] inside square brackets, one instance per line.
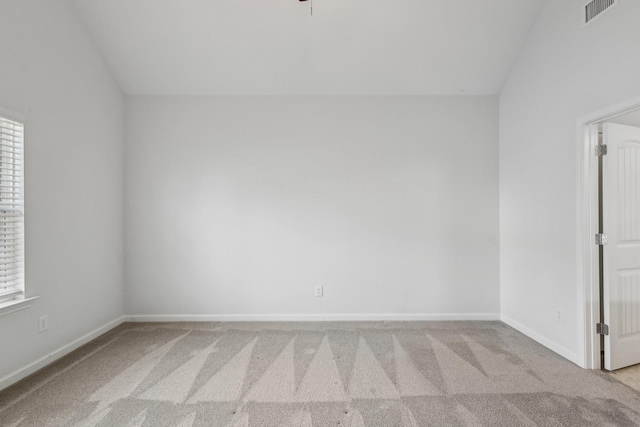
[559, 316]
[318, 291]
[43, 323]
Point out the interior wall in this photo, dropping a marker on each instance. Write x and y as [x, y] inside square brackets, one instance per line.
[240, 206]
[566, 71]
[51, 73]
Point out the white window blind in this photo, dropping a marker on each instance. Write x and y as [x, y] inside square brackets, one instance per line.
[11, 209]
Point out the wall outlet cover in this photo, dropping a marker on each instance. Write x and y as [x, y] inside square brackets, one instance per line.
[43, 323]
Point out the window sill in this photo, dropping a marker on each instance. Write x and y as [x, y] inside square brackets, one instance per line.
[12, 306]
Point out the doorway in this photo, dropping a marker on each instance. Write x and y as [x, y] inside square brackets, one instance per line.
[610, 245]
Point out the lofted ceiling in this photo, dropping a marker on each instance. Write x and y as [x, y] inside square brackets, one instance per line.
[275, 47]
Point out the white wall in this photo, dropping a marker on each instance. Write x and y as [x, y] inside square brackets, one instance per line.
[51, 73]
[565, 72]
[240, 205]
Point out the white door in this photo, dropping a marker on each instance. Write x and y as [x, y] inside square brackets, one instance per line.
[621, 203]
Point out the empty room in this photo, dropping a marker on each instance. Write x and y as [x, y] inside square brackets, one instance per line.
[319, 213]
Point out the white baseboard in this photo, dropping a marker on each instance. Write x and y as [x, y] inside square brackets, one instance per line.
[57, 354]
[309, 317]
[567, 354]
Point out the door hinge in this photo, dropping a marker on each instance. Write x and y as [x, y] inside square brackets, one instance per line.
[602, 329]
[601, 150]
[601, 239]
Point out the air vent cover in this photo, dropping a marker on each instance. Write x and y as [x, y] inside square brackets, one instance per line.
[597, 8]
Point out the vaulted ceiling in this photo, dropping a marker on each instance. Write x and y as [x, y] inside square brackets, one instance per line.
[275, 47]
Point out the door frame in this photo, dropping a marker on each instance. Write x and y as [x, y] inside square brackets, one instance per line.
[587, 228]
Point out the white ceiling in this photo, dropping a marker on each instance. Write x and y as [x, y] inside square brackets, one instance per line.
[274, 47]
[629, 119]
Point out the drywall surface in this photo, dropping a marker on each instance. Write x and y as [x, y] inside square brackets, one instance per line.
[565, 72]
[274, 47]
[51, 73]
[242, 205]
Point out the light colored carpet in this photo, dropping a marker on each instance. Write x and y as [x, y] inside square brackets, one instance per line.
[317, 374]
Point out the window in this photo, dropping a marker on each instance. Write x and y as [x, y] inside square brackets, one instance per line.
[11, 210]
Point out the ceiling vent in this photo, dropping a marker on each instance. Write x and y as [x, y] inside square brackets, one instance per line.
[596, 9]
